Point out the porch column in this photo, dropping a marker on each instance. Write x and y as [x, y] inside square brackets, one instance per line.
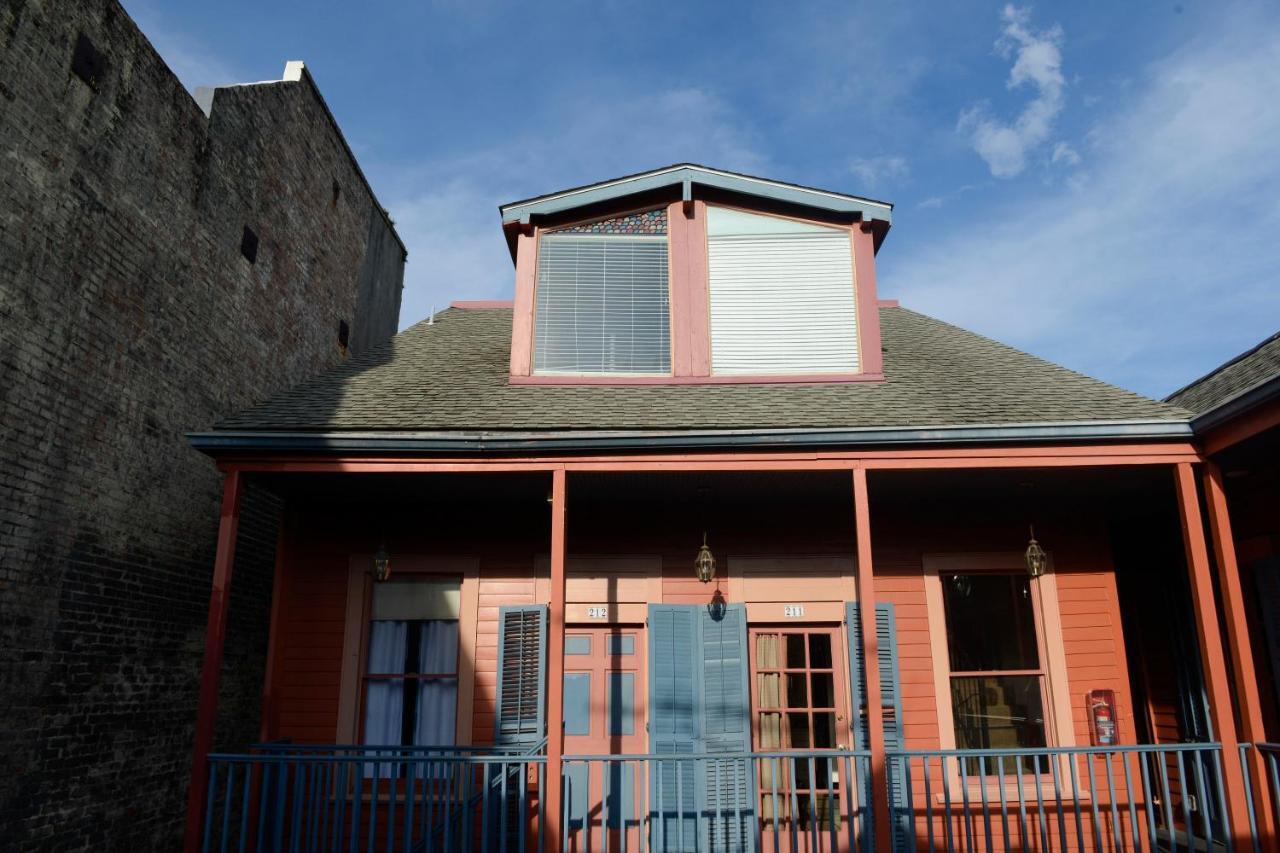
[1246, 675]
[555, 667]
[1211, 653]
[215, 634]
[871, 658]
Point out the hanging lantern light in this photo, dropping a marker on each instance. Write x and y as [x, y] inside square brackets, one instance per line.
[381, 563]
[704, 565]
[1037, 559]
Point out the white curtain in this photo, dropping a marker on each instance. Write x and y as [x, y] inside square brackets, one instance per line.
[437, 697]
[384, 701]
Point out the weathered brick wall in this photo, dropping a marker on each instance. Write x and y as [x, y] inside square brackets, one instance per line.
[128, 316]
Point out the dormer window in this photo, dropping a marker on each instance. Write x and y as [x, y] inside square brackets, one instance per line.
[603, 305]
[782, 295]
[690, 275]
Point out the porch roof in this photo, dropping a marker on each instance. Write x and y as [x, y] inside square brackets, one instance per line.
[451, 378]
[1246, 380]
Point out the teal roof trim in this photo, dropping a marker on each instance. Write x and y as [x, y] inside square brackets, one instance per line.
[686, 175]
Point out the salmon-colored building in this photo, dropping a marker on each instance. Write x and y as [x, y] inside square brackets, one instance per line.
[603, 567]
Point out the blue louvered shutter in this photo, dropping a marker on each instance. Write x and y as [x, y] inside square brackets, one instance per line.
[675, 707]
[522, 667]
[728, 787]
[890, 708]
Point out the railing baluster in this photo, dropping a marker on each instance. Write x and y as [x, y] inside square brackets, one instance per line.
[1166, 796]
[1148, 797]
[1130, 802]
[928, 802]
[946, 800]
[1040, 812]
[1186, 806]
[1216, 754]
[208, 807]
[986, 806]
[1202, 798]
[1075, 799]
[1004, 809]
[967, 817]
[814, 835]
[1093, 802]
[226, 806]
[1056, 770]
[777, 816]
[1117, 826]
[245, 802]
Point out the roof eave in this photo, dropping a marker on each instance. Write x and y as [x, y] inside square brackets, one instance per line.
[1263, 392]
[226, 442]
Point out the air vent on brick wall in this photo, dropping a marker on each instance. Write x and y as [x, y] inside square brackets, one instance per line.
[87, 63]
[249, 245]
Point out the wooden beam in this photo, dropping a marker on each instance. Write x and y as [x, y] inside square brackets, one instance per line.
[215, 636]
[1076, 456]
[1252, 727]
[1213, 659]
[871, 659]
[555, 667]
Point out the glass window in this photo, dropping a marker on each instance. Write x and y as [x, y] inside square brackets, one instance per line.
[997, 683]
[602, 305]
[410, 690]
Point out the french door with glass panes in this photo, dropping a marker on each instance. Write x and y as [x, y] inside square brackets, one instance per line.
[799, 705]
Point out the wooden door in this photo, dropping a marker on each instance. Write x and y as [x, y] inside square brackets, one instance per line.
[604, 704]
[799, 705]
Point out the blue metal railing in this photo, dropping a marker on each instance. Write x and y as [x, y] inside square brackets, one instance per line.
[350, 798]
[1156, 797]
[757, 801]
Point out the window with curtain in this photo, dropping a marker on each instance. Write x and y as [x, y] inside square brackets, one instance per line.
[602, 304]
[411, 673]
[997, 678]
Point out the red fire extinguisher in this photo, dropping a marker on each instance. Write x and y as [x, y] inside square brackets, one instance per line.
[1102, 717]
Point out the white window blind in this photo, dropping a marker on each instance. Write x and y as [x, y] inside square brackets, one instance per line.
[782, 295]
[602, 305]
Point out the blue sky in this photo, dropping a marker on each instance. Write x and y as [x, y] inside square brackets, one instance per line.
[1096, 182]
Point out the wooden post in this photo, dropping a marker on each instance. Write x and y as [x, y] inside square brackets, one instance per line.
[1212, 655]
[269, 725]
[215, 635]
[555, 667]
[1246, 675]
[871, 661]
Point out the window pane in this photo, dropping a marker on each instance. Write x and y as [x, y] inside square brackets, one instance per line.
[796, 696]
[820, 651]
[437, 712]
[824, 690]
[998, 712]
[602, 305]
[384, 712]
[438, 649]
[795, 651]
[990, 623]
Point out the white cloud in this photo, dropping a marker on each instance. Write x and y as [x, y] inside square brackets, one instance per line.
[447, 211]
[874, 171]
[1065, 154]
[1160, 262]
[1038, 64]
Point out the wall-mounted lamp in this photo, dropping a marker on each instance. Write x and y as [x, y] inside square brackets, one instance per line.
[704, 565]
[381, 563]
[1037, 560]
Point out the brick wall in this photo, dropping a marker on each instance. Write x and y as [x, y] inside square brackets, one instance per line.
[129, 316]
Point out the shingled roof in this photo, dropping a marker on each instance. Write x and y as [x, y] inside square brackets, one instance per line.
[452, 376]
[1238, 376]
